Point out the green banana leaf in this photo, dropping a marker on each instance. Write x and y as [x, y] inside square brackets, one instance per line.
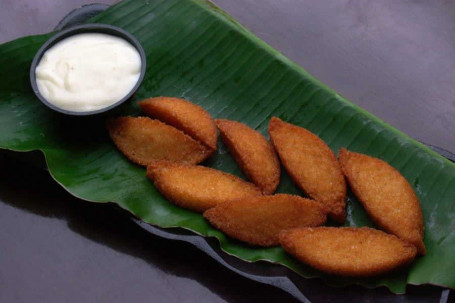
[197, 52]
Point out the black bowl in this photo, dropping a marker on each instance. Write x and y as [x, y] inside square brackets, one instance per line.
[87, 28]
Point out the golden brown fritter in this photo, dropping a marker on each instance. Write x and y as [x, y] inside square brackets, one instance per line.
[143, 140]
[197, 187]
[386, 195]
[184, 115]
[253, 153]
[311, 164]
[259, 220]
[348, 251]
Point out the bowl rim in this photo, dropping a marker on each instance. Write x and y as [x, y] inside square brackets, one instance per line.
[79, 29]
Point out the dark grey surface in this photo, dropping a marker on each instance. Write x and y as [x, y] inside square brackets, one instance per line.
[55, 248]
[394, 58]
[387, 57]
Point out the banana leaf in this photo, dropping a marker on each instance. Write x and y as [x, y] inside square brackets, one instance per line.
[197, 52]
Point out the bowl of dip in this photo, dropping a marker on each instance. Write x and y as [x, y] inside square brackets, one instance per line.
[88, 69]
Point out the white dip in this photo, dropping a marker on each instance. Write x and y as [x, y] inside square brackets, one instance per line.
[86, 72]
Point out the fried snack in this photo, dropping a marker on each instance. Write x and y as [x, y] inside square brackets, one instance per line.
[197, 187]
[143, 141]
[311, 164]
[386, 195]
[184, 115]
[259, 220]
[253, 153]
[348, 251]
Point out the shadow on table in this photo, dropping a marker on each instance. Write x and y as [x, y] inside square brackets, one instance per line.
[33, 190]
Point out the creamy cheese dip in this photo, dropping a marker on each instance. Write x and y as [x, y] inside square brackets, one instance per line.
[89, 71]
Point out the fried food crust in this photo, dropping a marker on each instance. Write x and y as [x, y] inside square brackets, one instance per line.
[259, 220]
[143, 141]
[348, 251]
[184, 115]
[253, 153]
[197, 187]
[386, 195]
[311, 164]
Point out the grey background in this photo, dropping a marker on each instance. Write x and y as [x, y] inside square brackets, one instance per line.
[393, 58]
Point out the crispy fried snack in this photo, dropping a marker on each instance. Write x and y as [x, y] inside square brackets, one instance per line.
[143, 140]
[386, 195]
[253, 153]
[197, 187]
[184, 115]
[348, 251]
[259, 220]
[311, 164]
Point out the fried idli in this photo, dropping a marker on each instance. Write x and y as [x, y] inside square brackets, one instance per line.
[253, 153]
[143, 141]
[259, 220]
[348, 251]
[311, 164]
[198, 188]
[183, 115]
[386, 196]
